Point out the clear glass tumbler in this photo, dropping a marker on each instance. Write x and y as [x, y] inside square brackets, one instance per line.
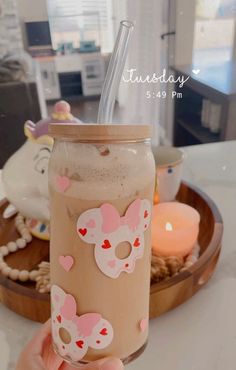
[101, 181]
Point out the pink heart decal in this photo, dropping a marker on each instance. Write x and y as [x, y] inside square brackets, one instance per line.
[66, 262]
[112, 263]
[63, 183]
[91, 224]
[143, 325]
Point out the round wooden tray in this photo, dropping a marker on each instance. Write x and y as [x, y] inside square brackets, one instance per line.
[26, 301]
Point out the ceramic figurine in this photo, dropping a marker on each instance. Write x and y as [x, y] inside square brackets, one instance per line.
[25, 174]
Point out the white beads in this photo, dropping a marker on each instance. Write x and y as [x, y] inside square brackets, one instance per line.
[2, 265]
[41, 276]
[4, 251]
[14, 274]
[24, 275]
[6, 271]
[33, 275]
[21, 243]
[27, 237]
[12, 247]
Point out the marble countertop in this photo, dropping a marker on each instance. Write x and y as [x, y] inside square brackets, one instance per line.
[200, 334]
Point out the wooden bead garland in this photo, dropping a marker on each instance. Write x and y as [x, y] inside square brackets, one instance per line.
[162, 268]
[42, 284]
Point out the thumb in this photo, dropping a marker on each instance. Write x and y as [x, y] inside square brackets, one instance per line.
[104, 364]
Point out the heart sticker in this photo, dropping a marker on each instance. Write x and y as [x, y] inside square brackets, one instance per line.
[112, 263]
[66, 262]
[136, 243]
[63, 183]
[106, 244]
[91, 224]
[83, 232]
[143, 325]
[88, 330]
[80, 343]
[106, 229]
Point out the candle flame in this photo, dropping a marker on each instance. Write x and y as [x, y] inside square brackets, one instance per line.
[169, 227]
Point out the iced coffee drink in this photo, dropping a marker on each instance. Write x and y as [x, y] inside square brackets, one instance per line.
[101, 180]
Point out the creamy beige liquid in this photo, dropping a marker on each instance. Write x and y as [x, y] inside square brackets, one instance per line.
[127, 173]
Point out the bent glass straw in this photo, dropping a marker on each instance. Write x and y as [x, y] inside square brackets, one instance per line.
[114, 73]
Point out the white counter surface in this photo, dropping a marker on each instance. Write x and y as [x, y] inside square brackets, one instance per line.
[200, 334]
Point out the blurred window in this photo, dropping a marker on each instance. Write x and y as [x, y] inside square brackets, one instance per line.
[214, 31]
[73, 21]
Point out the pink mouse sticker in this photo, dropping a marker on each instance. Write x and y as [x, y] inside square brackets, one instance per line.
[105, 228]
[88, 330]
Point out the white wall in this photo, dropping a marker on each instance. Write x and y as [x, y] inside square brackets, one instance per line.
[185, 21]
[32, 10]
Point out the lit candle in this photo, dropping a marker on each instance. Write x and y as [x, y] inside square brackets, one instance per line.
[175, 228]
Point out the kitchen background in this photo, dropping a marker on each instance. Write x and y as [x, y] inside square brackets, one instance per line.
[60, 49]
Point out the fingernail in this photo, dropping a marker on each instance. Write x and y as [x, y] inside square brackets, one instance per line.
[112, 364]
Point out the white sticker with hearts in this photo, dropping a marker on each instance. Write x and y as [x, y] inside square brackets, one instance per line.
[105, 228]
[88, 330]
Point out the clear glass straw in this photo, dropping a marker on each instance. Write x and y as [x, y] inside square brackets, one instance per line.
[114, 73]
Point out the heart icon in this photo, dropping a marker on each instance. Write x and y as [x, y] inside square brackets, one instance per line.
[143, 325]
[63, 183]
[136, 243]
[146, 214]
[103, 331]
[59, 318]
[66, 262]
[106, 244]
[80, 343]
[91, 224]
[196, 71]
[83, 231]
[112, 263]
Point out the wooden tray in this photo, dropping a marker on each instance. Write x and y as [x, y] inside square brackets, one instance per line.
[26, 301]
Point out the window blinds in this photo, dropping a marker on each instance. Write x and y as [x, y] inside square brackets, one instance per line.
[83, 15]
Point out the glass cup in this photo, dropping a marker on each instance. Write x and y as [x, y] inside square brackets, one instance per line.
[101, 184]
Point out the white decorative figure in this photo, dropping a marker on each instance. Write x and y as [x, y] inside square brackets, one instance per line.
[25, 174]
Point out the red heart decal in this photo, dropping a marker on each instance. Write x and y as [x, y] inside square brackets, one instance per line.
[59, 318]
[136, 243]
[146, 214]
[103, 331]
[106, 244]
[80, 343]
[83, 231]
